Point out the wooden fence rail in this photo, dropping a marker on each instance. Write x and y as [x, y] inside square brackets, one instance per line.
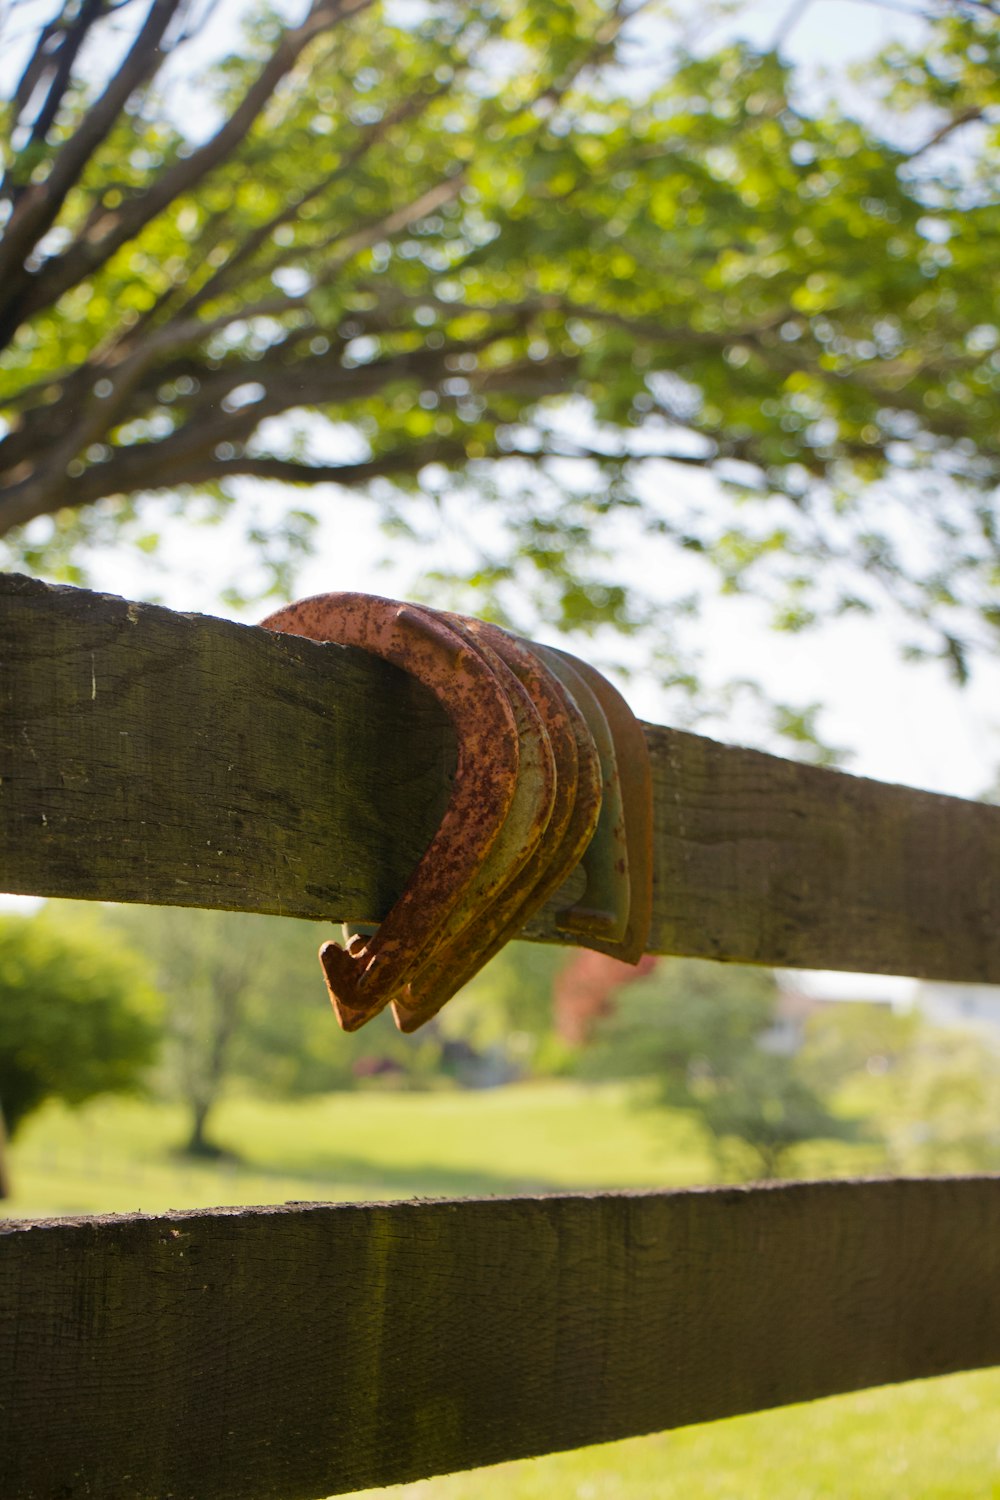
[309, 1350]
[313, 1349]
[178, 759]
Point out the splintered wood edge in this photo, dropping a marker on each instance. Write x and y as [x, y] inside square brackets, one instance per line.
[309, 1350]
[184, 760]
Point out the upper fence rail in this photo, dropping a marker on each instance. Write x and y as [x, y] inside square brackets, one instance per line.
[180, 759]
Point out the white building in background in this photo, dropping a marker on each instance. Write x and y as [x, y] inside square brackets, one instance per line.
[972, 1007]
[831, 986]
[975, 1006]
[802, 993]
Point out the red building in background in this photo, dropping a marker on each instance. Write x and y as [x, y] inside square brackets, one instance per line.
[585, 989]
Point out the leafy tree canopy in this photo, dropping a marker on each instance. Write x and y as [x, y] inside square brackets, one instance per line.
[545, 255]
[940, 1105]
[77, 1016]
[934, 1091]
[704, 1036]
[245, 1001]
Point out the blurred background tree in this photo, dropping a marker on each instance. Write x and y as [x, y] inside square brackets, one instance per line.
[940, 1107]
[244, 1003]
[78, 1017]
[706, 1038]
[233, 986]
[534, 259]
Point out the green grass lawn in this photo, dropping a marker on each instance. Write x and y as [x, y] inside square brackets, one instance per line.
[117, 1155]
[932, 1440]
[937, 1439]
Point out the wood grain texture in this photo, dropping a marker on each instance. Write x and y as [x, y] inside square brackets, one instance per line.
[296, 1352]
[180, 759]
[183, 760]
[771, 861]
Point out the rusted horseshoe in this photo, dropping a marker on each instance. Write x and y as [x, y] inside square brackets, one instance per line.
[569, 830]
[362, 979]
[527, 820]
[636, 786]
[603, 911]
[516, 850]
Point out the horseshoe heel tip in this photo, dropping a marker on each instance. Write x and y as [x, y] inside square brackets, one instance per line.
[340, 970]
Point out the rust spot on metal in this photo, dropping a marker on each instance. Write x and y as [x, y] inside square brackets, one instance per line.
[511, 859]
[567, 833]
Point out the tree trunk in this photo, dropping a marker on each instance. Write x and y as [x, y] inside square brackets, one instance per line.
[198, 1143]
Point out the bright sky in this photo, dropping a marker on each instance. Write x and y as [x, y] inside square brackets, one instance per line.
[825, 33]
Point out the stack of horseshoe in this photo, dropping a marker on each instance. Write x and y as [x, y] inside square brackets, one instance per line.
[552, 772]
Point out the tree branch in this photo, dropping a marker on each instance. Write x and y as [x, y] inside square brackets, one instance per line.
[64, 57]
[964, 117]
[354, 241]
[42, 288]
[122, 474]
[31, 75]
[157, 471]
[40, 204]
[408, 460]
[315, 381]
[221, 278]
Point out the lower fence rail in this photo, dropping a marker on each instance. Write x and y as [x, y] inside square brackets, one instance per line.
[313, 1349]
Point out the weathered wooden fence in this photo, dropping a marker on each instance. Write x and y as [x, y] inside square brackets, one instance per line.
[312, 1349]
